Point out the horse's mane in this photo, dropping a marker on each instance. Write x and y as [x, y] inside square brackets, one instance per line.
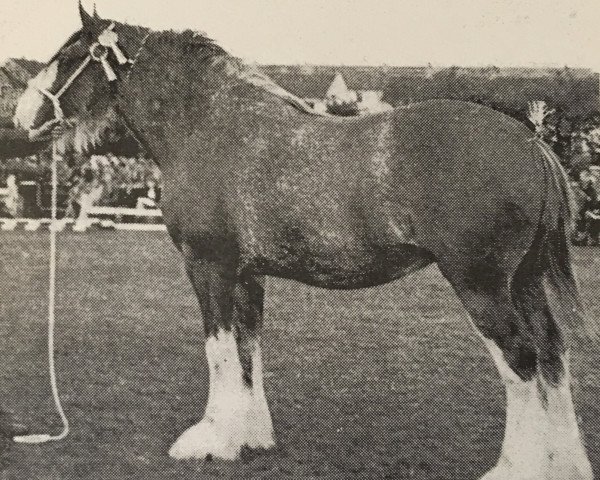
[90, 132]
[207, 50]
[192, 42]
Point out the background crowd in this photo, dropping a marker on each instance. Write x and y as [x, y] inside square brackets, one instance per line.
[578, 147]
[102, 180]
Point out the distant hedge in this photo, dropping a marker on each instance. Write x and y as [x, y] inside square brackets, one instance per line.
[574, 95]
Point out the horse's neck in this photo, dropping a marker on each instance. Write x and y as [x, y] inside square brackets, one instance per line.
[167, 106]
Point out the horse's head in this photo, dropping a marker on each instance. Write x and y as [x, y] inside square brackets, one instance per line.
[81, 81]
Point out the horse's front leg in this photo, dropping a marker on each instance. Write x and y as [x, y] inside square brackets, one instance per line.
[236, 413]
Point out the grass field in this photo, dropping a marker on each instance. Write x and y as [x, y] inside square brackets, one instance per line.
[381, 383]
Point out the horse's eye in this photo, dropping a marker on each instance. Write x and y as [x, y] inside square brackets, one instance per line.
[68, 60]
[75, 52]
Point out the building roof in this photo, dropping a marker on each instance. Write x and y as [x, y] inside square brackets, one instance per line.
[8, 78]
[33, 67]
[21, 70]
[5, 78]
[313, 81]
[14, 74]
[338, 87]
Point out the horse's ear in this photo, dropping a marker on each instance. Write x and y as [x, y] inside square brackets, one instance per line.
[86, 19]
[96, 16]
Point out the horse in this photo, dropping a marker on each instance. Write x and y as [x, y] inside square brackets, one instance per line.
[256, 185]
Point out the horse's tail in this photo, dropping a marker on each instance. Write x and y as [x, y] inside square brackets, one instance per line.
[548, 261]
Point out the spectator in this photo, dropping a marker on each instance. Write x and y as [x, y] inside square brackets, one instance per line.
[13, 200]
[148, 200]
[580, 201]
[89, 194]
[73, 200]
[588, 182]
[581, 157]
[590, 186]
[593, 226]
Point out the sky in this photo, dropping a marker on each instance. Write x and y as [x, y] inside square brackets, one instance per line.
[339, 32]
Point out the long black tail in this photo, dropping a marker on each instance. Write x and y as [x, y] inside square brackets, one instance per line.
[548, 264]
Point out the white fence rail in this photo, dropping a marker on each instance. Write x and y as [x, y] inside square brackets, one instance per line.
[124, 212]
[114, 223]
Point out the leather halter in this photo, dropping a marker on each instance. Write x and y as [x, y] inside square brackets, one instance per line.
[98, 52]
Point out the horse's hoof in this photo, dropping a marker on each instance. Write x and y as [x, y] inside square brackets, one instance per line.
[571, 471]
[208, 440]
[498, 475]
[204, 441]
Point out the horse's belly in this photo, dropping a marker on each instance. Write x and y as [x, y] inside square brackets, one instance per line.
[348, 268]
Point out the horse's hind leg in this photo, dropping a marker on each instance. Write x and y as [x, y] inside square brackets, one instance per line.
[236, 414]
[523, 335]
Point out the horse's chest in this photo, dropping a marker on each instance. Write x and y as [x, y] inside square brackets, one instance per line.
[194, 214]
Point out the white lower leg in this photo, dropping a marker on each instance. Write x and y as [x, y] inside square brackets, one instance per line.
[237, 414]
[260, 427]
[542, 439]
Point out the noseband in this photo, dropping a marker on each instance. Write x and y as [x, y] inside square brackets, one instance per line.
[98, 52]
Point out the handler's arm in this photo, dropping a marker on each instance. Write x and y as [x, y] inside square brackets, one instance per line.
[15, 143]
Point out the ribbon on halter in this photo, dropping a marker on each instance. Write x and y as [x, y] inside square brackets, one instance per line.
[107, 41]
[110, 39]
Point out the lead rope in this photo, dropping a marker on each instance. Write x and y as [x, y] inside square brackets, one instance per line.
[108, 40]
[43, 437]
